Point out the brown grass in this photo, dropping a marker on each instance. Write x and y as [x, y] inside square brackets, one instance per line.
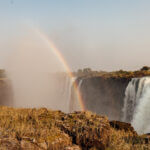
[41, 129]
[121, 140]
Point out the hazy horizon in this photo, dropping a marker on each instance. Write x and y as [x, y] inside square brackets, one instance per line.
[103, 35]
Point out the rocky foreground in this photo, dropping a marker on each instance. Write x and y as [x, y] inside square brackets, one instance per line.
[42, 129]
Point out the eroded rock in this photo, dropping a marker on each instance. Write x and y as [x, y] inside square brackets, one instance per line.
[118, 125]
[86, 129]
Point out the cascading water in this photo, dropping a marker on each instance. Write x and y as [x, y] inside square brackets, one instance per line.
[137, 104]
[141, 118]
[68, 90]
[130, 99]
[74, 103]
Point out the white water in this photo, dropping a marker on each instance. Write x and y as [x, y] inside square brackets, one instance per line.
[74, 103]
[137, 104]
[141, 118]
[68, 90]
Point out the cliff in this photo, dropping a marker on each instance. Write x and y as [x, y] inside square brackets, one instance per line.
[6, 92]
[104, 92]
[104, 95]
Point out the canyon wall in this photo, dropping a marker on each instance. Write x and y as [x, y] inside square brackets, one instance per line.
[104, 92]
[104, 95]
[6, 92]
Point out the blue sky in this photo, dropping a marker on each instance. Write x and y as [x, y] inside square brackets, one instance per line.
[101, 34]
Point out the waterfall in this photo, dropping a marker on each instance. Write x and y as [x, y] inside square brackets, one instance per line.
[80, 83]
[68, 90]
[137, 104]
[74, 102]
[130, 99]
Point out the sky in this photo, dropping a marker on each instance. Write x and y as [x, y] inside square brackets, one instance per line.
[100, 34]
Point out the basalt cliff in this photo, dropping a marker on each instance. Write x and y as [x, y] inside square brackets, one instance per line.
[104, 92]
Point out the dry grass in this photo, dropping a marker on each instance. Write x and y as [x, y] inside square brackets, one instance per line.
[114, 74]
[121, 140]
[34, 125]
[43, 129]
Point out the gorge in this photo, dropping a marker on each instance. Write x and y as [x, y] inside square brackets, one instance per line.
[118, 95]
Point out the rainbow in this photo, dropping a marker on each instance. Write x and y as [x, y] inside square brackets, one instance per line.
[60, 57]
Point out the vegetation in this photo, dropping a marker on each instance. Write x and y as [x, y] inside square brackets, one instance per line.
[87, 72]
[31, 129]
[121, 140]
[43, 129]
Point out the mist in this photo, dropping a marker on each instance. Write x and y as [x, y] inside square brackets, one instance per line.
[36, 73]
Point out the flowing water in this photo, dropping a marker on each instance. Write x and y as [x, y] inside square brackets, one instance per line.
[74, 103]
[137, 103]
[68, 90]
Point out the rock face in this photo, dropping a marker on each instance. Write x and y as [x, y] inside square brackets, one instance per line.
[104, 95]
[122, 126]
[104, 92]
[6, 93]
[87, 130]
